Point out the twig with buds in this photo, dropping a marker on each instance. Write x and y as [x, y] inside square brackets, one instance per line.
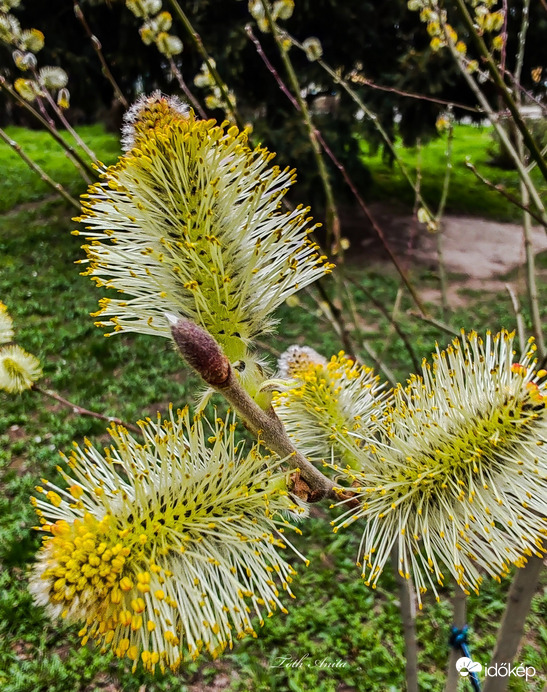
[203, 354]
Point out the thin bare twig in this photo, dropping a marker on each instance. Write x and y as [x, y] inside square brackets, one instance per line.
[59, 113]
[531, 278]
[494, 119]
[319, 137]
[333, 315]
[59, 189]
[81, 411]
[378, 230]
[268, 348]
[331, 212]
[435, 323]
[525, 92]
[186, 89]
[356, 78]
[503, 34]
[438, 222]
[503, 192]
[459, 617]
[97, 47]
[280, 83]
[511, 629]
[508, 99]
[378, 362]
[380, 306]
[337, 79]
[407, 601]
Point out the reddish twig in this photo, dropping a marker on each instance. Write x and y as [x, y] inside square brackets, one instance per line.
[359, 79]
[81, 411]
[280, 83]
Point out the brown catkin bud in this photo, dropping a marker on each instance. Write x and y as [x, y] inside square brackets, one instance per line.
[200, 350]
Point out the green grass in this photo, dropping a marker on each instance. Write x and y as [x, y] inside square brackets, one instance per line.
[466, 195]
[20, 184]
[334, 616]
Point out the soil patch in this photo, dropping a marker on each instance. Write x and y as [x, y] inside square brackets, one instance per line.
[479, 251]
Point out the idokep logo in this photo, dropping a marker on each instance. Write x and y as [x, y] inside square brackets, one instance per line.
[465, 666]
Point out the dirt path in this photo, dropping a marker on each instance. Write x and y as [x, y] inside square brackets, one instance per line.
[481, 253]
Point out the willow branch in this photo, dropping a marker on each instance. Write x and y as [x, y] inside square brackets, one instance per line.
[204, 355]
[531, 278]
[359, 79]
[59, 113]
[347, 179]
[378, 362]
[438, 222]
[435, 323]
[185, 88]
[407, 602]
[459, 617]
[531, 281]
[503, 192]
[59, 189]
[493, 117]
[275, 74]
[503, 34]
[511, 629]
[402, 335]
[333, 315]
[529, 95]
[518, 317]
[337, 79]
[378, 230]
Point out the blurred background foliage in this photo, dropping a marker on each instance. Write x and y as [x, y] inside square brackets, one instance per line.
[384, 41]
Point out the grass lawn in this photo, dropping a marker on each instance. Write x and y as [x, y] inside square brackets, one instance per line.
[466, 195]
[334, 617]
[20, 184]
